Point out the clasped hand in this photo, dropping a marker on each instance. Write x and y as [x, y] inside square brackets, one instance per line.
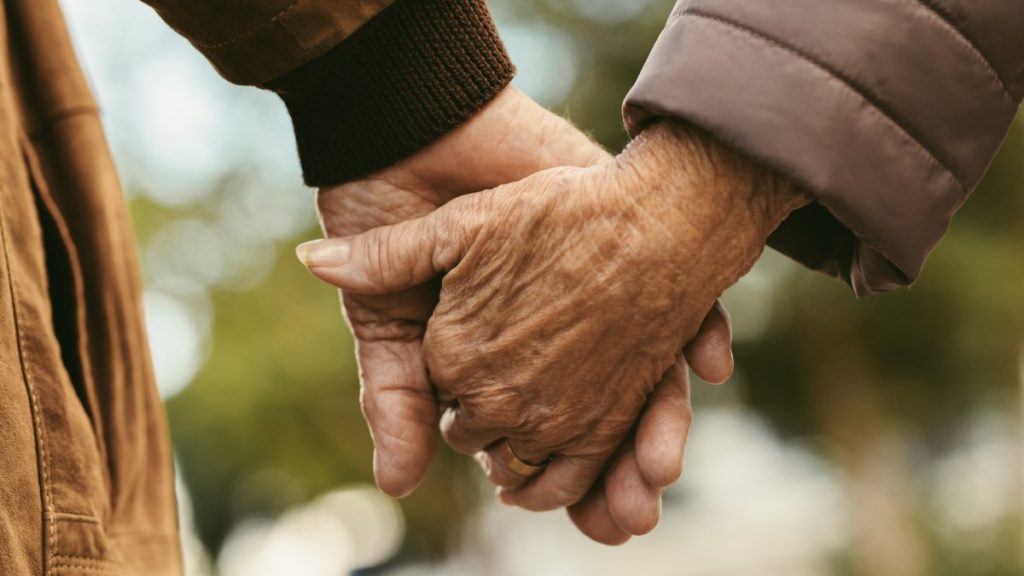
[550, 313]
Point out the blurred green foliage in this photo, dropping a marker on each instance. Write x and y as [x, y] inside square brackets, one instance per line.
[273, 418]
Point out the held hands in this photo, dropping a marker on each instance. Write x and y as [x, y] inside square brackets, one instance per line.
[511, 138]
[569, 297]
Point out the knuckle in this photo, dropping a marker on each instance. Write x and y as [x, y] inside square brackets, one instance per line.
[444, 354]
[395, 264]
[376, 250]
[451, 238]
[368, 405]
[460, 430]
[530, 450]
[549, 431]
[609, 431]
[453, 423]
[443, 373]
[538, 443]
[492, 404]
[516, 412]
[489, 416]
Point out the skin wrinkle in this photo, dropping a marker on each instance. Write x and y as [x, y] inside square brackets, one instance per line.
[581, 342]
[376, 328]
[393, 388]
[458, 228]
[569, 340]
[511, 127]
[472, 311]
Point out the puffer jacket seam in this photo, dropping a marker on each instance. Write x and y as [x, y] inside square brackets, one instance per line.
[965, 43]
[885, 110]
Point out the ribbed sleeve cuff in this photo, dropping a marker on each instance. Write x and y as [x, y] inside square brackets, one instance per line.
[410, 75]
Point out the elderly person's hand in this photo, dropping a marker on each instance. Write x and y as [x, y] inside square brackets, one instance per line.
[568, 296]
[509, 139]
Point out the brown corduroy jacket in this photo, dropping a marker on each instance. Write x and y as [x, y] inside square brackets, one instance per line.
[887, 110]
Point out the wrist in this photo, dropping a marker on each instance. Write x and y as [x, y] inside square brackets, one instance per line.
[721, 205]
[407, 77]
[509, 139]
[705, 169]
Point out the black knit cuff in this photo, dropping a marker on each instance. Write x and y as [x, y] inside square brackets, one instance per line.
[410, 75]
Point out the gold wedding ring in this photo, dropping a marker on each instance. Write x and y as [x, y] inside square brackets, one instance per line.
[515, 464]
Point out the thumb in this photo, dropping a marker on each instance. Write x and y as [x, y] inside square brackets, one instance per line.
[399, 406]
[387, 259]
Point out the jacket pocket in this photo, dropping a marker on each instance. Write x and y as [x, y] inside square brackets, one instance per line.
[72, 488]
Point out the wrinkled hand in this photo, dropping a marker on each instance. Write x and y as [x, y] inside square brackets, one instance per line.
[508, 140]
[627, 500]
[512, 137]
[568, 298]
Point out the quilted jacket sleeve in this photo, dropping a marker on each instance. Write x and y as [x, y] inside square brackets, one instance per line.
[888, 111]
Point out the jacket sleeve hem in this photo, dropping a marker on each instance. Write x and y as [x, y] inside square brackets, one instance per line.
[412, 74]
[793, 115]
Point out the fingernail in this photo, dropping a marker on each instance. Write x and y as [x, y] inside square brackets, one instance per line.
[323, 253]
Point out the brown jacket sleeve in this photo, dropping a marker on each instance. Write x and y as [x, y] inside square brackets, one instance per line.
[367, 82]
[888, 111]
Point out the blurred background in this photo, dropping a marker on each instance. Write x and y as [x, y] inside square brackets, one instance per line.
[879, 438]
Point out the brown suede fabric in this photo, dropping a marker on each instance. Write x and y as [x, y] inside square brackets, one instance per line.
[889, 111]
[87, 472]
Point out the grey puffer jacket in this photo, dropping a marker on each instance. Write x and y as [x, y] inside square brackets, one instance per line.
[888, 111]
